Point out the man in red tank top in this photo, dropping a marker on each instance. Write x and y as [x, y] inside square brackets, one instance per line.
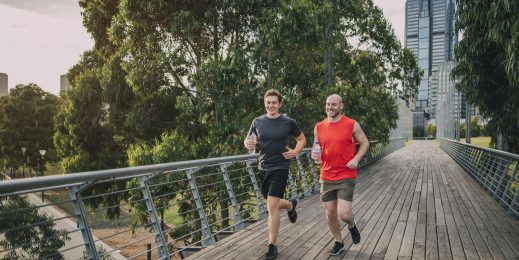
[337, 135]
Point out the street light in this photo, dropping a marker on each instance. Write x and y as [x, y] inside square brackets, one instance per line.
[40, 169]
[24, 149]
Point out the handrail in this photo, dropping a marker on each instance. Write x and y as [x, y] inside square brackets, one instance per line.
[512, 155]
[194, 192]
[21, 185]
[75, 178]
[496, 171]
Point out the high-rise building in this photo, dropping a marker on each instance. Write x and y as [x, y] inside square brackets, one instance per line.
[430, 35]
[64, 84]
[3, 84]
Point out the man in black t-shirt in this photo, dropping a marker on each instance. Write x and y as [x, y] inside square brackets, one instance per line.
[273, 131]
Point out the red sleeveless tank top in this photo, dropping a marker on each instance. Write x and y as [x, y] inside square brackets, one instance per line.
[337, 148]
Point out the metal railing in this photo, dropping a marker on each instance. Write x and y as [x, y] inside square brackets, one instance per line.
[160, 211]
[496, 171]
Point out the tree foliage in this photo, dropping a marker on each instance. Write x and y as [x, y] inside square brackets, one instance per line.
[36, 241]
[27, 120]
[173, 80]
[488, 65]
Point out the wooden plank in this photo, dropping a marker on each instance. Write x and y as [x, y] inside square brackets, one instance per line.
[467, 244]
[406, 247]
[391, 238]
[389, 217]
[449, 243]
[320, 249]
[360, 205]
[421, 223]
[495, 242]
[248, 234]
[259, 242]
[431, 238]
[385, 207]
[494, 216]
[472, 228]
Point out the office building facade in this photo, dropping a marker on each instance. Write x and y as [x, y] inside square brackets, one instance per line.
[64, 84]
[430, 35]
[3, 84]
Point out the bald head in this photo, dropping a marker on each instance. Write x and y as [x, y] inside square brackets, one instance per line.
[334, 99]
[334, 107]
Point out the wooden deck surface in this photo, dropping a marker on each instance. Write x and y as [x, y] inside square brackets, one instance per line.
[415, 203]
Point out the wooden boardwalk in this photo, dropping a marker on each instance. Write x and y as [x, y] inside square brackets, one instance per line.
[415, 203]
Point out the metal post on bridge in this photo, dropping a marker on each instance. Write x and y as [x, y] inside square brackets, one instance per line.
[468, 124]
[292, 185]
[207, 236]
[238, 221]
[82, 220]
[317, 185]
[162, 247]
[303, 175]
[262, 212]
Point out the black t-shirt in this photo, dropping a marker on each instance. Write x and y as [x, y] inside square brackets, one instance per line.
[273, 137]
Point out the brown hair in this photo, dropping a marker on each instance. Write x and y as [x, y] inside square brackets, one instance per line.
[273, 92]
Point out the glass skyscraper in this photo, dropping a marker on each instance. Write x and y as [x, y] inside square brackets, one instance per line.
[430, 35]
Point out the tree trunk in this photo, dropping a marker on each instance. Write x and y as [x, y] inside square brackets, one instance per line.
[329, 49]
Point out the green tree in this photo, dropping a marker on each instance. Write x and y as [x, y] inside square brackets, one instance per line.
[431, 130]
[27, 120]
[187, 79]
[490, 34]
[39, 240]
[418, 131]
[475, 129]
[463, 130]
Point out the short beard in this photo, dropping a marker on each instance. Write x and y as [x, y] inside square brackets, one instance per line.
[335, 115]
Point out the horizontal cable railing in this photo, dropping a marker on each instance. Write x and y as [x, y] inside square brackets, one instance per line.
[161, 211]
[496, 171]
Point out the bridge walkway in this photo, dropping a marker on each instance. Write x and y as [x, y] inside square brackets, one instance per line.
[414, 203]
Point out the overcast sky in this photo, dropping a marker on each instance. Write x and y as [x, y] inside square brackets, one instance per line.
[40, 40]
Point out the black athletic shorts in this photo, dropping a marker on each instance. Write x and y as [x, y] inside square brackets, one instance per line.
[273, 183]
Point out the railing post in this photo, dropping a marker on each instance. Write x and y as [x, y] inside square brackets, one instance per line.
[238, 221]
[162, 247]
[82, 219]
[207, 236]
[317, 185]
[292, 185]
[303, 176]
[498, 192]
[262, 212]
[515, 199]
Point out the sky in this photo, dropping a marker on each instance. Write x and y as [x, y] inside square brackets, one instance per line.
[40, 40]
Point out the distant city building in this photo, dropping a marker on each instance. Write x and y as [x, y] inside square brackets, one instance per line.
[450, 104]
[3, 85]
[404, 125]
[430, 35]
[64, 84]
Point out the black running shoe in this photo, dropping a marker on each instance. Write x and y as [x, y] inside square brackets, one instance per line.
[292, 214]
[272, 253]
[338, 247]
[355, 234]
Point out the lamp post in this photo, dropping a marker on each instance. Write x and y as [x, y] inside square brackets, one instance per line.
[40, 169]
[24, 149]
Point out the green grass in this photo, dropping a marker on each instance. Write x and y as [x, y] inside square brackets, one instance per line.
[483, 141]
[96, 218]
